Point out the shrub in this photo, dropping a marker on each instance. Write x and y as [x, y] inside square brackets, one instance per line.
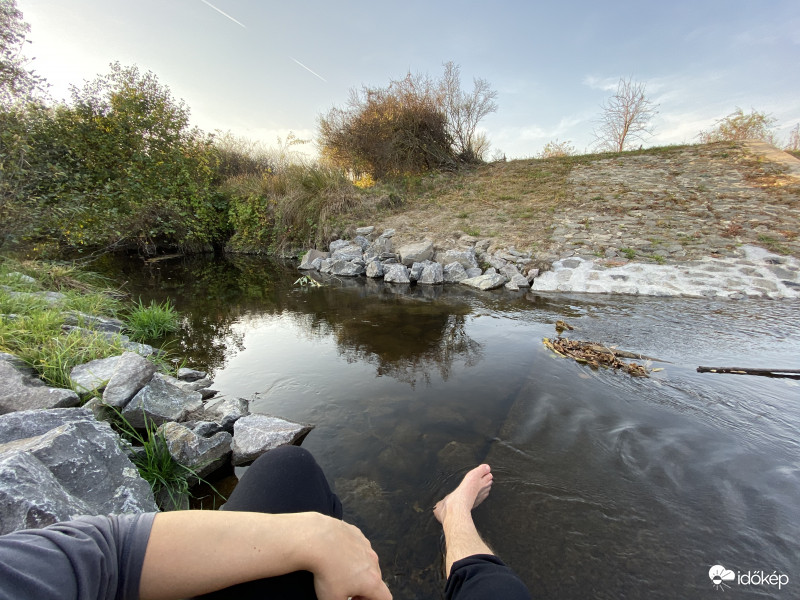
[152, 322]
[739, 126]
[554, 149]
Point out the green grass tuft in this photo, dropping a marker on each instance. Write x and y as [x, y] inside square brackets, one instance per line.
[152, 322]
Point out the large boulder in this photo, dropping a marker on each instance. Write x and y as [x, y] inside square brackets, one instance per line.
[432, 274]
[203, 455]
[21, 389]
[382, 245]
[374, 269]
[130, 375]
[416, 252]
[485, 282]
[105, 324]
[395, 273]
[254, 435]
[346, 269]
[348, 253]
[454, 272]
[336, 244]
[94, 375]
[466, 258]
[307, 263]
[160, 401]
[56, 465]
[223, 412]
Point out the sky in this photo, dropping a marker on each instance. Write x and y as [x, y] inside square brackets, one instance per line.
[261, 69]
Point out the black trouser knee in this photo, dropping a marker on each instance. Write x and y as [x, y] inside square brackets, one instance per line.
[284, 480]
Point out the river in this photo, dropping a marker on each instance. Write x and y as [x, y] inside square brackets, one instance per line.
[606, 486]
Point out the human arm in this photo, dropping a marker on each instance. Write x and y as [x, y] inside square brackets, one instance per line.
[194, 552]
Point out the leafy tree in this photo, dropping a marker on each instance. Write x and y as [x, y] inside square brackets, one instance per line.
[626, 117]
[739, 126]
[120, 167]
[17, 82]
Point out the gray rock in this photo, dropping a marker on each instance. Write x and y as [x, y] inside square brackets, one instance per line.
[454, 272]
[30, 423]
[186, 374]
[94, 375]
[572, 263]
[346, 269]
[203, 455]
[49, 297]
[509, 271]
[325, 266]
[362, 242]
[432, 274]
[254, 435]
[520, 281]
[415, 271]
[307, 264]
[223, 411]
[476, 272]
[388, 233]
[374, 269]
[131, 373]
[365, 231]
[75, 468]
[96, 323]
[204, 428]
[160, 401]
[485, 282]
[381, 246]
[495, 262]
[483, 245]
[21, 389]
[533, 274]
[395, 273]
[336, 244]
[348, 253]
[416, 252]
[20, 277]
[506, 256]
[466, 258]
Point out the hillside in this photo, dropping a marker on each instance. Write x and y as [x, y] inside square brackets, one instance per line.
[660, 204]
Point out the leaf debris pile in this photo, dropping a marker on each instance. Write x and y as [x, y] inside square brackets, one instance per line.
[595, 355]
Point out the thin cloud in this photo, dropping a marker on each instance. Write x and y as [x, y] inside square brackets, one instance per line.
[307, 69]
[223, 13]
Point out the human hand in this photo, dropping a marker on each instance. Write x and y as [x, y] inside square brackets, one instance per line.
[344, 564]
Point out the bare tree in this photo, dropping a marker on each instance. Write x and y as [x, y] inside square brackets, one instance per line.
[626, 117]
[793, 145]
[465, 110]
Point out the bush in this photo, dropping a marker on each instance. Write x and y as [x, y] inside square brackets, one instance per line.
[554, 149]
[413, 125]
[739, 126]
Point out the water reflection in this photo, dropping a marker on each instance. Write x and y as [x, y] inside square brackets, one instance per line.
[606, 486]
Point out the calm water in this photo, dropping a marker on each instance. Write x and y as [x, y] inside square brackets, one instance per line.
[605, 486]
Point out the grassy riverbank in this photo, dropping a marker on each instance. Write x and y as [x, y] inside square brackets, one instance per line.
[39, 300]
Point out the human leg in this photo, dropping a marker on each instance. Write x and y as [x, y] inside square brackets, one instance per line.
[284, 480]
[473, 572]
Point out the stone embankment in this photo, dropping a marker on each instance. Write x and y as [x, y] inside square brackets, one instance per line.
[714, 220]
[58, 461]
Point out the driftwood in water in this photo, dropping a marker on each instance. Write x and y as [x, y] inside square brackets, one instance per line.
[592, 354]
[792, 373]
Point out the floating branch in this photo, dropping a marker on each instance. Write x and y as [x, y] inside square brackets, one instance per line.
[790, 373]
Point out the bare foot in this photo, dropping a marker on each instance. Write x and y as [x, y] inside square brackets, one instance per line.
[472, 490]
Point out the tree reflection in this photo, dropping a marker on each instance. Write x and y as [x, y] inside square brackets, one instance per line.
[408, 333]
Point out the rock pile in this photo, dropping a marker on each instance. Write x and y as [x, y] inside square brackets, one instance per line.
[57, 463]
[421, 263]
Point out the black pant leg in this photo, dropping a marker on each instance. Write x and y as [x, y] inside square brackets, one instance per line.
[284, 480]
[484, 577]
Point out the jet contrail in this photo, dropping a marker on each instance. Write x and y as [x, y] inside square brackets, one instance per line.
[306, 68]
[222, 13]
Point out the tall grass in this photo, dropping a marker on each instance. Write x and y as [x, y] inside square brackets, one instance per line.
[151, 322]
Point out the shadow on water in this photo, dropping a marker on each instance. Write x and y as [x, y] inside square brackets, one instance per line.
[606, 486]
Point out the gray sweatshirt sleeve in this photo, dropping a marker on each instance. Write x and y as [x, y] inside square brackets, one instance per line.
[90, 558]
